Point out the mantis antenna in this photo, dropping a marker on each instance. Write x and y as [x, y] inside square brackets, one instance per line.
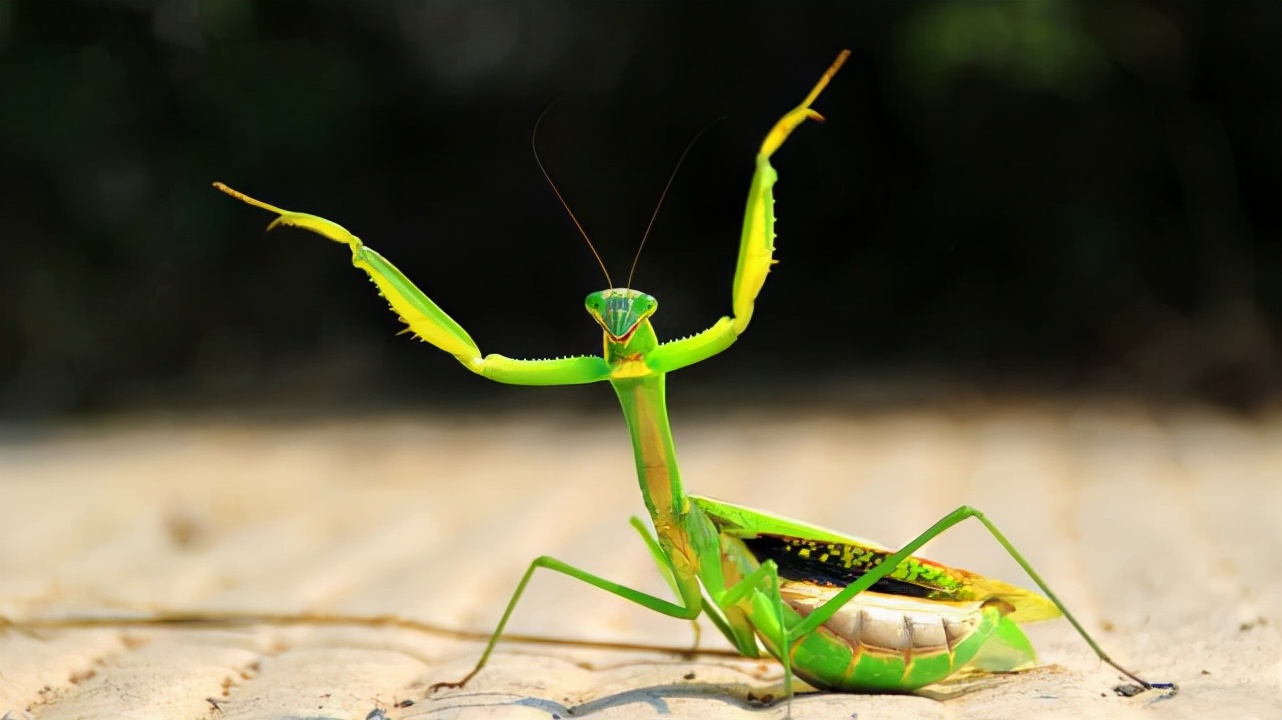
[533, 146]
[664, 194]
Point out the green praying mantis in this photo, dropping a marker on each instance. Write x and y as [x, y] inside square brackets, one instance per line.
[839, 612]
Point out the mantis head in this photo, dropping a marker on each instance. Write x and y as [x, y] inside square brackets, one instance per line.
[620, 311]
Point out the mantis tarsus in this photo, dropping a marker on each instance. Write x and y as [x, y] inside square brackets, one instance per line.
[839, 612]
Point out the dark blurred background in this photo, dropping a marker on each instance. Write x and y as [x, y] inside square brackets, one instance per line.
[1033, 196]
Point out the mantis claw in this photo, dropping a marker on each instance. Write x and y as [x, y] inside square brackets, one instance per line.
[1169, 689]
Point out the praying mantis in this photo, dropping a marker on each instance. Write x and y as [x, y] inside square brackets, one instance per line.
[839, 612]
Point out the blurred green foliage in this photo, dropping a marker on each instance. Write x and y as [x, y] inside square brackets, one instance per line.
[1037, 45]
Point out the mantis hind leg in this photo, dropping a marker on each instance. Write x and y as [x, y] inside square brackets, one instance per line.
[827, 610]
[689, 611]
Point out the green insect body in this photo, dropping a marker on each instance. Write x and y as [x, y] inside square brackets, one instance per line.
[840, 612]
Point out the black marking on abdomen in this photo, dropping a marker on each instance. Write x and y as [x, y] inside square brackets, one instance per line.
[808, 561]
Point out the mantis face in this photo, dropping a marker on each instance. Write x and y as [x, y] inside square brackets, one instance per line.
[620, 311]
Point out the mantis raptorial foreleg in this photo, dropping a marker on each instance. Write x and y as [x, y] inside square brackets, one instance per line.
[428, 321]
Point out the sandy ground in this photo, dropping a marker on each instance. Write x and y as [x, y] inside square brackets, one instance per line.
[1162, 532]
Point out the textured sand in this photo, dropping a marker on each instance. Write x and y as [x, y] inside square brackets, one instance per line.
[1162, 533]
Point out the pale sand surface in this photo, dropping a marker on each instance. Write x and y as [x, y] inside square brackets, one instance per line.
[1162, 530]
